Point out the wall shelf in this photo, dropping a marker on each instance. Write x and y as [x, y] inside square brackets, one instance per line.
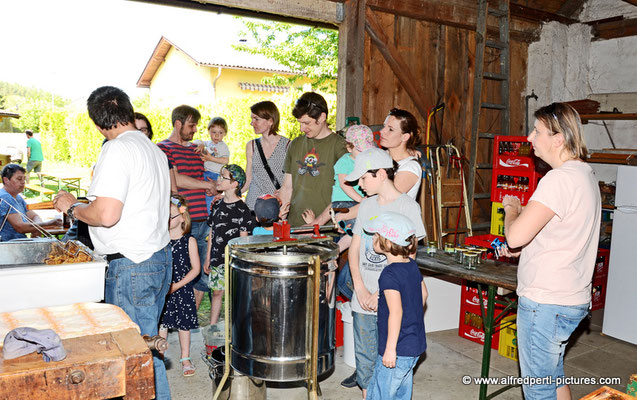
[608, 116]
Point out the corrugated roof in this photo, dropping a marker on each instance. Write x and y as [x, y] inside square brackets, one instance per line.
[210, 53]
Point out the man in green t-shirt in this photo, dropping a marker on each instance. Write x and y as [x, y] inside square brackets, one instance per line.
[309, 163]
[34, 155]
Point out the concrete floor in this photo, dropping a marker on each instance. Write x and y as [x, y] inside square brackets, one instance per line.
[439, 375]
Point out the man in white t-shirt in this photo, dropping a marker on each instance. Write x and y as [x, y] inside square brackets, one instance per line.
[128, 216]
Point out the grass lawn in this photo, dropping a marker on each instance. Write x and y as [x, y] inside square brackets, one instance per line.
[59, 169]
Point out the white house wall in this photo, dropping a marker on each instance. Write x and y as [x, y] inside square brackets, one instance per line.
[565, 65]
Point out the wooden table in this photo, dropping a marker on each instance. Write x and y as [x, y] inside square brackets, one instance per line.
[495, 275]
[99, 366]
[69, 183]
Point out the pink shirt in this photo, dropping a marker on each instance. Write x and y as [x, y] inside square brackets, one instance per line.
[556, 267]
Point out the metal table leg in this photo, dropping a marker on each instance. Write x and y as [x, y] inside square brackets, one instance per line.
[487, 322]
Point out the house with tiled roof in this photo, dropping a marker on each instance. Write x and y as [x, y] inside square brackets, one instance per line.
[197, 73]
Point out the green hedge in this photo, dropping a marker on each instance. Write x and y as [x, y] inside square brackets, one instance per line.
[70, 136]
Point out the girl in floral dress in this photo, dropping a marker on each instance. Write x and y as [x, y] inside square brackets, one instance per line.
[180, 311]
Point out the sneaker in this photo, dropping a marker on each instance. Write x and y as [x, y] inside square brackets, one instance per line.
[350, 381]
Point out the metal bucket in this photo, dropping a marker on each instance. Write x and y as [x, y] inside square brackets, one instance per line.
[237, 386]
[272, 311]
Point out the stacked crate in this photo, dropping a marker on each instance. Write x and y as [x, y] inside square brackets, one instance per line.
[600, 276]
[513, 174]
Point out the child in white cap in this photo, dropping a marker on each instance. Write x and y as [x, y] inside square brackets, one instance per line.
[402, 296]
[374, 170]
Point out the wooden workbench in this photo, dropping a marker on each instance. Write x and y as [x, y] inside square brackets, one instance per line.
[98, 366]
[494, 275]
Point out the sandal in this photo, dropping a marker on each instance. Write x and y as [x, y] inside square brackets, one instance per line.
[188, 370]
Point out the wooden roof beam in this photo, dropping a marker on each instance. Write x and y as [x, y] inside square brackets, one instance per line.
[633, 2]
[323, 14]
[535, 15]
[612, 29]
[457, 13]
[570, 8]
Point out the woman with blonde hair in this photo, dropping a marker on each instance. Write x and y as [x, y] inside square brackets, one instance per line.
[558, 233]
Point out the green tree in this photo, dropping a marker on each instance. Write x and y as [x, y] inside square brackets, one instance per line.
[30, 114]
[311, 51]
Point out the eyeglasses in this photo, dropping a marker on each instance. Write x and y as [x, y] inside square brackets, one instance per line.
[221, 178]
[144, 130]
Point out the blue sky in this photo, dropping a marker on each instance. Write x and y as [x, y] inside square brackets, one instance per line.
[71, 47]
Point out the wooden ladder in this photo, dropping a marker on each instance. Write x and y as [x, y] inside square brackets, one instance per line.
[500, 50]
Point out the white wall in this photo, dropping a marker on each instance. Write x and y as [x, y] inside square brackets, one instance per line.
[565, 65]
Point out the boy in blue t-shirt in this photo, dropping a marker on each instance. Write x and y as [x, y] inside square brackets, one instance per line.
[402, 296]
[266, 211]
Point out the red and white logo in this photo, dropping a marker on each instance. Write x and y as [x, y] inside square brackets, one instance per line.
[512, 163]
[475, 334]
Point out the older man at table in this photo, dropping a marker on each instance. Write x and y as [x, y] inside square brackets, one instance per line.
[12, 224]
[128, 218]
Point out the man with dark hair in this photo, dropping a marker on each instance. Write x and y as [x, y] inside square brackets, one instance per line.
[309, 163]
[128, 218]
[34, 155]
[12, 224]
[184, 157]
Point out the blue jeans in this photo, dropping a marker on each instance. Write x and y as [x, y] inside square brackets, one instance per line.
[344, 282]
[543, 332]
[392, 383]
[199, 230]
[140, 290]
[210, 176]
[365, 347]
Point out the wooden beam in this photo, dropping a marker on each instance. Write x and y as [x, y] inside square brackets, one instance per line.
[633, 2]
[458, 13]
[320, 13]
[571, 7]
[351, 59]
[395, 61]
[615, 29]
[535, 15]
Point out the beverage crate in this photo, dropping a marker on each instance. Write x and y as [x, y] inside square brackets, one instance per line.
[513, 168]
[508, 346]
[598, 295]
[497, 219]
[513, 153]
[471, 327]
[470, 298]
[601, 263]
[520, 184]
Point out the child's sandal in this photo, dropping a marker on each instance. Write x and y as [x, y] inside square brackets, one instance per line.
[188, 370]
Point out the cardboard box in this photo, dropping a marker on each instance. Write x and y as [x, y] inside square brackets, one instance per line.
[508, 346]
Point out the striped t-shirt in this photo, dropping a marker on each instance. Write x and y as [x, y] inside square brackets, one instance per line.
[189, 163]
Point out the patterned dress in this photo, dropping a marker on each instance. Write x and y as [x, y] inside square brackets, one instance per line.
[261, 183]
[180, 311]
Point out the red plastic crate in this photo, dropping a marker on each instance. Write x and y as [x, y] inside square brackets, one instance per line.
[338, 331]
[601, 263]
[598, 295]
[524, 194]
[470, 327]
[470, 298]
[513, 158]
[519, 157]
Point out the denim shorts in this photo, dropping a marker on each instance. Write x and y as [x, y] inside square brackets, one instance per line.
[543, 333]
[365, 346]
[392, 383]
[34, 165]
